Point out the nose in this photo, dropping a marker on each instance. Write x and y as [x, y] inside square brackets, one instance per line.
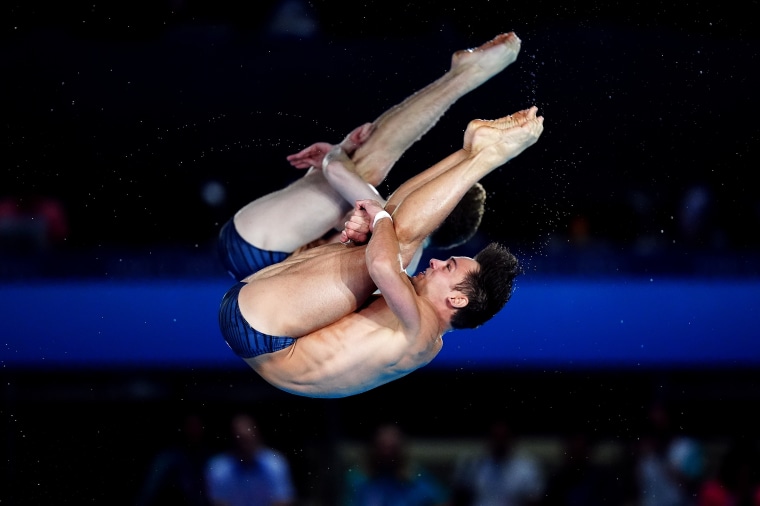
[434, 263]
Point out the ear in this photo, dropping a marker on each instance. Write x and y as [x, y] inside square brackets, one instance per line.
[458, 300]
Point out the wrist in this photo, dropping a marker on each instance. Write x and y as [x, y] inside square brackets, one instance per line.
[331, 155]
[379, 216]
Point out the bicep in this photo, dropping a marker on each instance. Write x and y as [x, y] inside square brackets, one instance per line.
[399, 294]
[384, 266]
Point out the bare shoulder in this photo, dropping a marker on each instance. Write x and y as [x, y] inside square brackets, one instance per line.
[424, 338]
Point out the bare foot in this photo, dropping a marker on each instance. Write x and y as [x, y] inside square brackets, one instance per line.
[499, 144]
[486, 60]
[504, 123]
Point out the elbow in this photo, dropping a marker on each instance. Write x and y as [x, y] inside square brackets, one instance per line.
[386, 267]
[407, 234]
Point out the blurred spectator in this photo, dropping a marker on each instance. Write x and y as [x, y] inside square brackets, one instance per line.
[696, 220]
[389, 477]
[249, 473]
[737, 480]
[501, 475]
[579, 480]
[176, 475]
[31, 224]
[669, 466]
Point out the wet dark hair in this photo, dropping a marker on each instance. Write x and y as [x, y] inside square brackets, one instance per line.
[487, 288]
[463, 222]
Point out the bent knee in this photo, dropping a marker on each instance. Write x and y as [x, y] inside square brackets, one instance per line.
[408, 237]
[373, 167]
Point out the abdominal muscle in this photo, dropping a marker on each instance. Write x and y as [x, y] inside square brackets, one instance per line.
[359, 352]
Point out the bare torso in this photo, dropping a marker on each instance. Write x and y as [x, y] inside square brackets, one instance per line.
[359, 352]
[348, 341]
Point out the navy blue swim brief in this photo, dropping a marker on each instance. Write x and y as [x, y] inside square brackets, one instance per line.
[244, 340]
[240, 258]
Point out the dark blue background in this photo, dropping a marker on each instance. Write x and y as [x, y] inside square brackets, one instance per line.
[636, 216]
[566, 324]
[122, 114]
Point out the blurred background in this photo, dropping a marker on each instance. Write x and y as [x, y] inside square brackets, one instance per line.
[625, 370]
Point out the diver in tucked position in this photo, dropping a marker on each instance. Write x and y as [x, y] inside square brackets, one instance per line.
[310, 325]
[312, 210]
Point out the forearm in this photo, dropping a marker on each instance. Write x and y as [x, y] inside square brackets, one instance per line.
[384, 264]
[339, 170]
[383, 255]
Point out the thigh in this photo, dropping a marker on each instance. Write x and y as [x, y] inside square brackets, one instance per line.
[241, 258]
[307, 292]
[295, 215]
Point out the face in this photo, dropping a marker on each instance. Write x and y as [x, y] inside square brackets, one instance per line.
[442, 276]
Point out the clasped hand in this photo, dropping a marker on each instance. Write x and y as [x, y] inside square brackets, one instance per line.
[359, 225]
